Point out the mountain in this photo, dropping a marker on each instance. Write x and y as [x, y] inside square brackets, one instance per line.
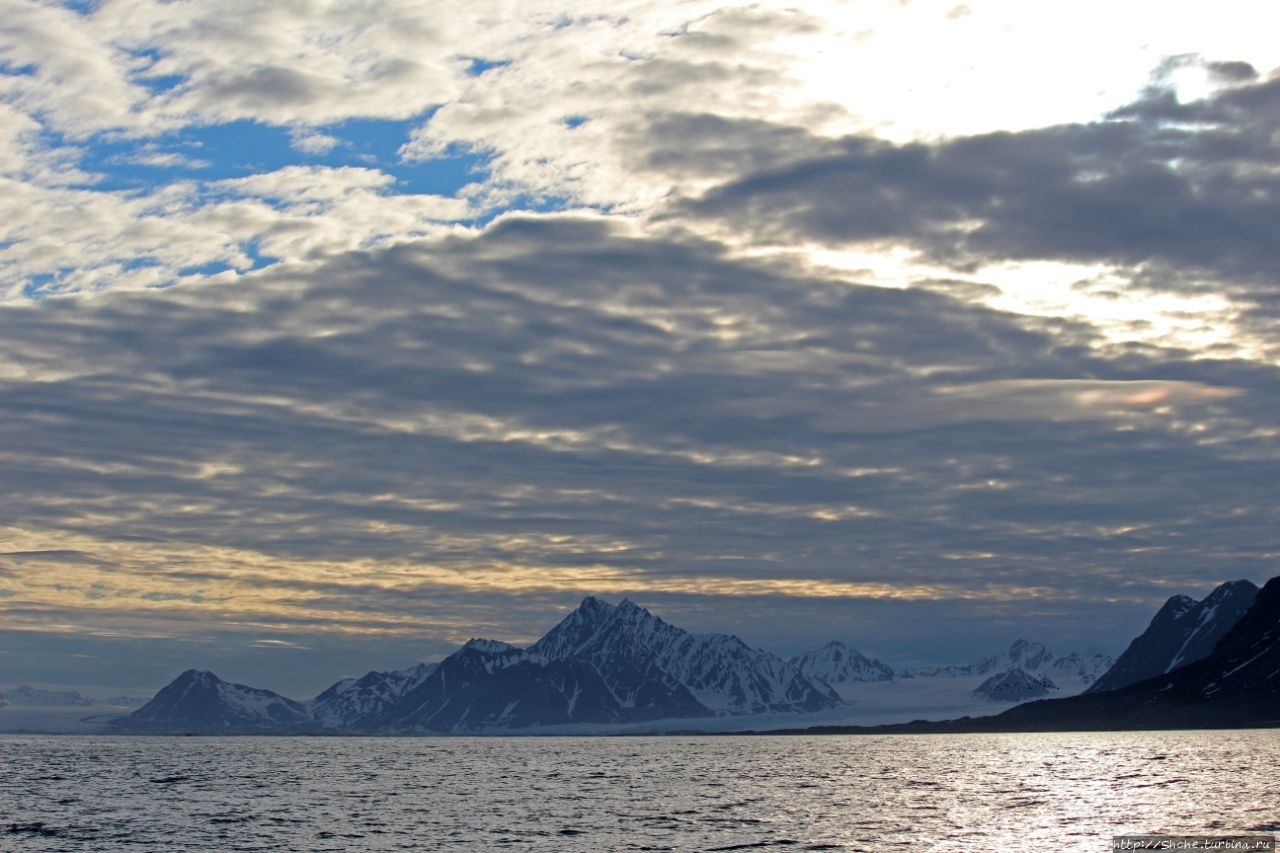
[1237, 685]
[1014, 685]
[837, 663]
[602, 664]
[723, 674]
[352, 701]
[1183, 631]
[1030, 657]
[1085, 670]
[26, 695]
[197, 701]
[485, 686]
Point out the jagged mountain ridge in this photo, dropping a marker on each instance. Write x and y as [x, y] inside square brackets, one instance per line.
[838, 663]
[351, 701]
[24, 694]
[1238, 683]
[1030, 657]
[482, 688]
[724, 674]
[492, 686]
[1236, 686]
[1183, 631]
[601, 664]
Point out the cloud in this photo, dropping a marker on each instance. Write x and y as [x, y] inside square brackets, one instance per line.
[1098, 192]
[313, 142]
[80, 240]
[1150, 224]
[155, 158]
[1076, 398]
[411, 435]
[49, 555]
[75, 78]
[1231, 72]
[615, 112]
[838, 351]
[1165, 183]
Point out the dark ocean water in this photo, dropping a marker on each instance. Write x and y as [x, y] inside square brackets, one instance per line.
[921, 793]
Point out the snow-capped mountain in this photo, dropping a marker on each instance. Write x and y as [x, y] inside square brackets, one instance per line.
[26, 695]
[1237, 684]
[1182, 631]
[1085, 669]
[349, 703]
[724, 674]
[837, 663]
[199, 701]
[1030, 657]
[485, 686]
[602, 664]
[1014, 685]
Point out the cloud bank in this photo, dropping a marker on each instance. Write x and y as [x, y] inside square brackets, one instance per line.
[333, 334]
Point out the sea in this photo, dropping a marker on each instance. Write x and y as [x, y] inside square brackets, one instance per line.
[987, 792]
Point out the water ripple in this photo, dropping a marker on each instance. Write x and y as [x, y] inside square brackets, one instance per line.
[1068, 792]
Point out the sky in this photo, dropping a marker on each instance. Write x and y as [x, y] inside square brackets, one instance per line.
[333, 334]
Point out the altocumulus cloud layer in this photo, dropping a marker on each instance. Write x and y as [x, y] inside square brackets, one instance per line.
[403, 441]
[627, 304]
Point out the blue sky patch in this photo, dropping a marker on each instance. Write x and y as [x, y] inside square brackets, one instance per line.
[477, 66]
[243, 148]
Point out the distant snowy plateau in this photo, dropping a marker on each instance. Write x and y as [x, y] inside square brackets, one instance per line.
[609, 668]
[30, 709]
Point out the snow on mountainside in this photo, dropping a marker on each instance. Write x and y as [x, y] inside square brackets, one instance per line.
[1183, 631]
[602, 664]
[482, 687]
[348, 703]
[1086, 670]
[1030, 657]
[724, 674]
[199, 701]
[1237, 684]
[26, 695]
[837, 663]
[33, 709]
[606, 665]
[1014, 685]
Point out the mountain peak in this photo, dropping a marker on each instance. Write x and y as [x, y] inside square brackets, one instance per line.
[837, 662]
[629, 609]
[1177, 605]
[1182, 632]
[201, 675]
[1014, 685]
[482, 645]
[595, 609]
[1223, 590]
[199, 701]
